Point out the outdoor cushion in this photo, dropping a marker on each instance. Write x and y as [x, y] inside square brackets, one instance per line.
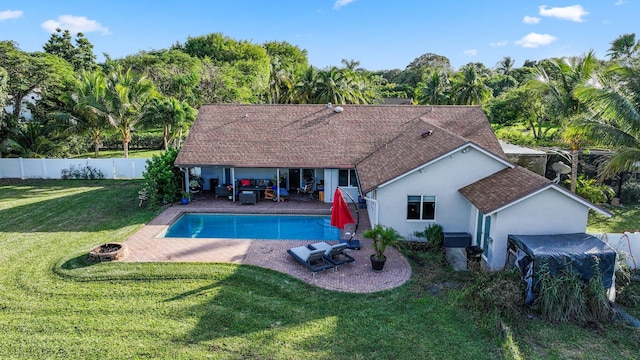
[313, 259]
[333, 253]
[245, 182]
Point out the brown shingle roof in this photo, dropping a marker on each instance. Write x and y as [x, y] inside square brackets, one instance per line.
[420, 143]
[316, 136]
[503, 188]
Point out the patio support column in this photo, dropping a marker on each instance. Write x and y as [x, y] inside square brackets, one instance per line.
[278, 184]
[233, 184]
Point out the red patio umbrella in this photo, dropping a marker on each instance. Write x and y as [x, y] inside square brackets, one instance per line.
[340, 214]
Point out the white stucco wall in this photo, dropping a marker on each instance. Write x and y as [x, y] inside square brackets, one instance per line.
[548, 212]
[442, 179]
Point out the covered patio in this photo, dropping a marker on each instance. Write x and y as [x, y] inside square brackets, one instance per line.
[146, 245]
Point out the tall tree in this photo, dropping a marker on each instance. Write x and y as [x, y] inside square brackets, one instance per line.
[172, 115]
[557, 80]
[244, 63]
[506, 65]
[435, 89]
[29, 74]
[126, 99]
[80, 56]
[624, 47]
[614, 102]
[469, 88]
[81, 114]
[173, 72]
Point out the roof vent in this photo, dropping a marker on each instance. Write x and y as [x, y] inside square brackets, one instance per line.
[426, 133]
[338, 109]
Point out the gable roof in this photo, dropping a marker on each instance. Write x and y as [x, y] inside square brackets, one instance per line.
[420, 143]
[510, 186]
[316, 136]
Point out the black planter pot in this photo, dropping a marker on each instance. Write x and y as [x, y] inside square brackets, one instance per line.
[377, 264]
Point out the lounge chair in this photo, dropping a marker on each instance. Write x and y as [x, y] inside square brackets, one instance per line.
[314, 260]
[334, 253]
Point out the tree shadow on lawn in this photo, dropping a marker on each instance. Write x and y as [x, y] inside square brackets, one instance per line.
[72, 205]
[256, 313]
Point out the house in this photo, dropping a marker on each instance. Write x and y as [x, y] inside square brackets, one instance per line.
[412, 165]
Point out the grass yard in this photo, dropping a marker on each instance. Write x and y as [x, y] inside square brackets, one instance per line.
[55, 305]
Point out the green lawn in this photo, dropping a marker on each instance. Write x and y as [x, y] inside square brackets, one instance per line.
[55, 305]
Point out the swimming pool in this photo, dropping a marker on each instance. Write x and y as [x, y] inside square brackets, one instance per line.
[253, 226]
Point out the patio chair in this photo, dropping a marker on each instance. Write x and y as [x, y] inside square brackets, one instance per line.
[307, 189]
[313, 260]
[334, 253]
[248, 197]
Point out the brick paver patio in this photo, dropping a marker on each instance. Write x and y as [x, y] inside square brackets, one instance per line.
[147, 245]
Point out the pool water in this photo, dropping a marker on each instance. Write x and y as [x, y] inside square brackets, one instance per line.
[241, 226]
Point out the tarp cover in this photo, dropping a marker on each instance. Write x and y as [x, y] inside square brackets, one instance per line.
[558, 251]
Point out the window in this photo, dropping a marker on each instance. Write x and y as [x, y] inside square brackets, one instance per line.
[347, 178]
[421, 207]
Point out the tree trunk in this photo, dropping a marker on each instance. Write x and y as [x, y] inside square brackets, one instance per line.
[574, 169]
[125, 145]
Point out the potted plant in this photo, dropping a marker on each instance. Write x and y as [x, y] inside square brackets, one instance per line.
[186, 196]
[382, 237]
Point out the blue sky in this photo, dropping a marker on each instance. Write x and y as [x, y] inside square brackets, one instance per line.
[380, 34]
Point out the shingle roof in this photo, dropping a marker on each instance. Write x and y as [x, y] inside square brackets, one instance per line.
[420, 143]
[502, 188]
[383, 140]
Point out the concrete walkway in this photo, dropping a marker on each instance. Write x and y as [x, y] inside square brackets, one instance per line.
[148, 245]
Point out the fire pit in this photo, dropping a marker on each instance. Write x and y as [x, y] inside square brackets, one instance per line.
[107, 252]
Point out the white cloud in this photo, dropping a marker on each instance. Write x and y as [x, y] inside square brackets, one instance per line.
[74, 24]
[572, 13]
[340, 3]
[620, 2]
[530, 20]
[10, 14]
[471, 52]
[533, 40]
[499, 43]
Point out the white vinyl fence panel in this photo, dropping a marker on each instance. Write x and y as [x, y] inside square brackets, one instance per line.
[19, 168]
[627, 243]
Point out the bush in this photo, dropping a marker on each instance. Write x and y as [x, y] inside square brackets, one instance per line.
[162, 179]
[590, 190]
[84, 173]
[433, 235]
[139, 141]
[630, 192]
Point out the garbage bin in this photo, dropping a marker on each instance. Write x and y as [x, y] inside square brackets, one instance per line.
[474, 253]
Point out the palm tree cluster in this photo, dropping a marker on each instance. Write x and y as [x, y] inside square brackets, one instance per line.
[290, 85]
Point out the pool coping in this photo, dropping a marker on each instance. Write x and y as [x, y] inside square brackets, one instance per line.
[146, 246]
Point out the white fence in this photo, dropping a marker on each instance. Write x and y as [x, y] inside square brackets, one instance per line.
[627, 243]
[20, 168]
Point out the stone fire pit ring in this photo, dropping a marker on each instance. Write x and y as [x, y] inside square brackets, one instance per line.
[107, 252]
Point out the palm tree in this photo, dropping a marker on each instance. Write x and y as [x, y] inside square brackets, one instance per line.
[505, 66]
[351, 64]
[127, 95]
[305, 87]
[557, 80]
[435, 89]
[470, 89]
[32, 139]
[80, 114]
[173, 115]
[624, 47]
[615, 105]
